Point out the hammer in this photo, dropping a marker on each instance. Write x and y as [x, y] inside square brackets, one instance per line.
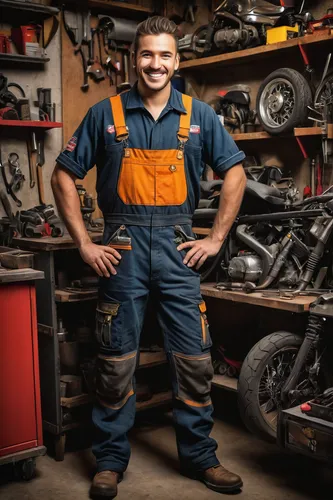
[124, 85]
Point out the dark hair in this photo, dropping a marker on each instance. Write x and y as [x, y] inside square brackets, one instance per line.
[156, 25]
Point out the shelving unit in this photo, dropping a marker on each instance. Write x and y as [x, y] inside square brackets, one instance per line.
[237, 57]
[35, 8]
[30, 124]
[20, 58]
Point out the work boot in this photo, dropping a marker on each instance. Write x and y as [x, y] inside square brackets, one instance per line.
[219, 479]
[104, 484]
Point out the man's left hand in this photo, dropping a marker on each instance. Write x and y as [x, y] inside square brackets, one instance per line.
[199, 251]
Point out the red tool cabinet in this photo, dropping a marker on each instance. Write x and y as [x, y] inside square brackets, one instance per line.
[20, 410]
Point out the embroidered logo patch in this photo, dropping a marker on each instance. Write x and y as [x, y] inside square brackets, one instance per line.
[71, 145]
[195, 129]
[110, 129]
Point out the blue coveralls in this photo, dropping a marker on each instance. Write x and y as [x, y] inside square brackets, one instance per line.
[148, 175]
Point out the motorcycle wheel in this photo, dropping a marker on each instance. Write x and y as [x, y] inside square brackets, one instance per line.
[282, 101]
[263, 374]
[324, 92]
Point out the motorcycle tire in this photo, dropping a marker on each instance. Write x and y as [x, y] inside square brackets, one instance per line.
[282, 101]
[325, 91]
[251, 377]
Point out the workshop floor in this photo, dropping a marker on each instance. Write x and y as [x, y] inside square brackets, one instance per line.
[153, 474]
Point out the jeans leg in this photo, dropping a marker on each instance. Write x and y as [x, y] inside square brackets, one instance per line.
[120, 314]
[181, 313]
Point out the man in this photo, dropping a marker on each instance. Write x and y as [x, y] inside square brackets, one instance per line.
[150, 145]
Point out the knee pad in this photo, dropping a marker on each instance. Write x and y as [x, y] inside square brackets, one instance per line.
[114, 379]
[194, 375]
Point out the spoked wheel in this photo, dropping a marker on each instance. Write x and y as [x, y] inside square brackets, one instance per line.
[277, 102]
[324, 93]
[272, 381]
[282, 101]
[263, 375]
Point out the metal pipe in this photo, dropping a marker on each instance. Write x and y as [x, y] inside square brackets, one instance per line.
[315, 257]
[262, 250]
[278, 264]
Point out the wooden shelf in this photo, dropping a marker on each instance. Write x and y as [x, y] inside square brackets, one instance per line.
[206, 63]
[157, 399]
[297, 305]
[307, 131]
[19, 58]
[75, 295]
[28, 7]
[149, 359]
[49, 244]
[225, 382]
[298, 132]
[251, 136]
[128, 10]
[81, 399]
[30, 124]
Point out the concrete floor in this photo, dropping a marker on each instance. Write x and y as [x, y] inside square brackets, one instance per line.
[153, 473]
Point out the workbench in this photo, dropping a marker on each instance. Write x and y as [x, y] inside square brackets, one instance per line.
[51, 303]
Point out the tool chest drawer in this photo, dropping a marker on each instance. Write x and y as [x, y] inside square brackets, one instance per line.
[307, 435]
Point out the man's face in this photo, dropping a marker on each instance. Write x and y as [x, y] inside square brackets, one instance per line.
[156, 60]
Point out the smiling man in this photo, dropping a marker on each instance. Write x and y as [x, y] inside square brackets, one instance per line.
[150, 146]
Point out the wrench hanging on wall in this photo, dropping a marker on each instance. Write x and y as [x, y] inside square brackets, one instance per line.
[73, 23]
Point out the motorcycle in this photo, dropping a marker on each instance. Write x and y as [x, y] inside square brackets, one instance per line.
[284, 370]
[280, 242]
[242, 24]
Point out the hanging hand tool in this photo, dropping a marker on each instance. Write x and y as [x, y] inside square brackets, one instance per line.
[94, 68]
[50, 28]
[13, 221]
[190, 11]
[124, 85]
[319, 186]
[17, 176]
[39, 167]
[32, 148]
[74, 28]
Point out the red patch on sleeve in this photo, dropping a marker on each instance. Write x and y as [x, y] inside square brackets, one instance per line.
[71, 145]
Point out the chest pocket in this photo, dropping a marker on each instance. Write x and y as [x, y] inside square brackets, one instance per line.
[152, 177]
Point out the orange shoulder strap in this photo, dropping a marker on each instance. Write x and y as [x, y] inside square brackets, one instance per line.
[119, 118]
[185, 119]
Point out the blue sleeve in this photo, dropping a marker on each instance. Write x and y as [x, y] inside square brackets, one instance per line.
[219, 148]
[80, 153]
